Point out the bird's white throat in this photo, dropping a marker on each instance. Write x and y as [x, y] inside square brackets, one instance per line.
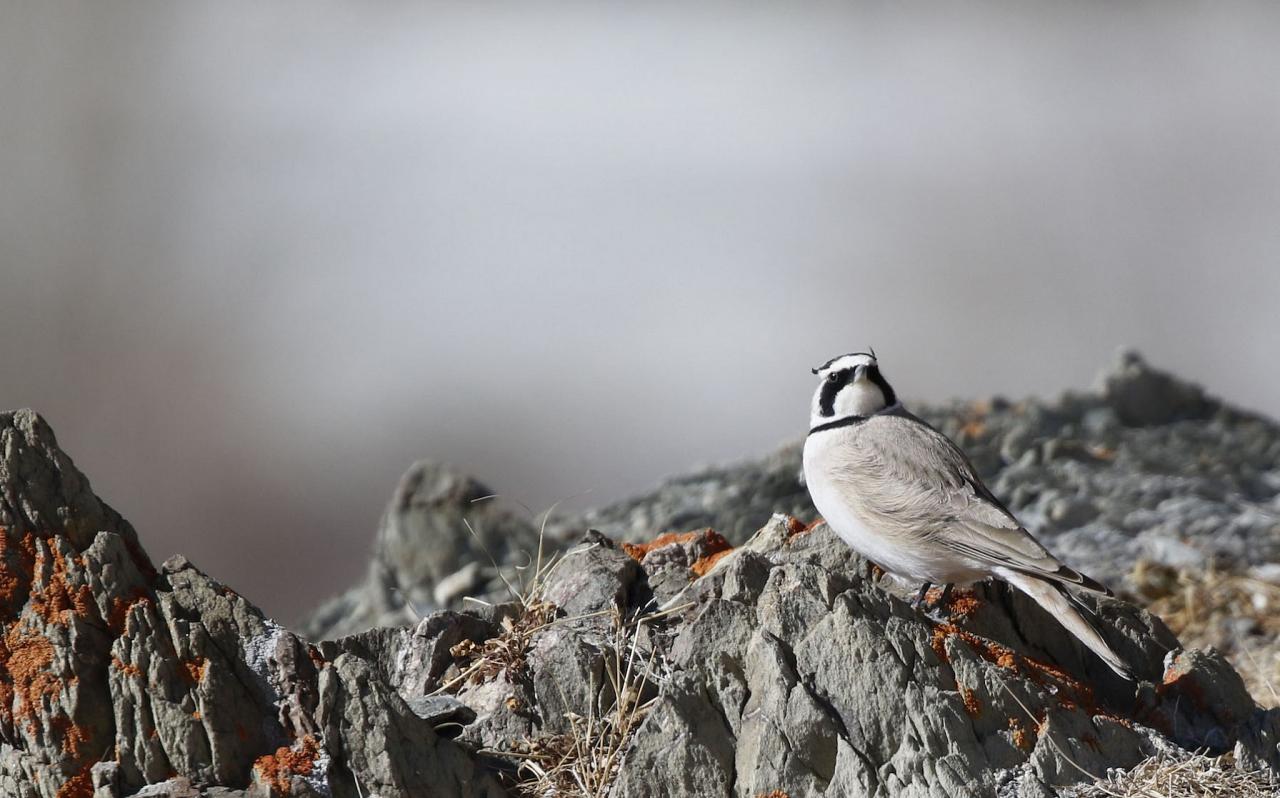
[858, 397]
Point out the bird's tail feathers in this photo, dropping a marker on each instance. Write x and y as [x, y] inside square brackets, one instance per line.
[1072, 613]
[1069, 577]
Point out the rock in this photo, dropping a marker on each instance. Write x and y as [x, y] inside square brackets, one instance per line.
[594, 577]
[734, 500]
[1100, 493]
[1071, 511]
[827, 684]
[438, 536]
[207, 696]
[1143, 396]
[679, 666]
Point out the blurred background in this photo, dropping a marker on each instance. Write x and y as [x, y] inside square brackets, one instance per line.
[255, 259]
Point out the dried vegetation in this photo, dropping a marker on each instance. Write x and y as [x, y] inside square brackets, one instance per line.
[584, 762]
[1186, 776]
[1236, 613]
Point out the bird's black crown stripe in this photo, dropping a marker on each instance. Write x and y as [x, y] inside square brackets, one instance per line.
[837, 357]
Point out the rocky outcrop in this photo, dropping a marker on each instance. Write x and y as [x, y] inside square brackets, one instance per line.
[1145, 468]
[696, 662]
[794, 672]
[115, 675]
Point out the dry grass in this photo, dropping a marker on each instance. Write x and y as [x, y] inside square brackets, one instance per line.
[1236, 613]
[1185, 776]
[1240, 616]
[505, 652]
[483, 662]
[584, 762]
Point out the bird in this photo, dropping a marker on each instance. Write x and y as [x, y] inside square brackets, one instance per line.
[904, 496]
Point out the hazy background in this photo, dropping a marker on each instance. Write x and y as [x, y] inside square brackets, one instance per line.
[255, 259]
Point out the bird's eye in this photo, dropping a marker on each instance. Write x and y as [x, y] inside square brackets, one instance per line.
[833, 376]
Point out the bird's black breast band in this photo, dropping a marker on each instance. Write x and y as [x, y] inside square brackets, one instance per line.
[846, 421]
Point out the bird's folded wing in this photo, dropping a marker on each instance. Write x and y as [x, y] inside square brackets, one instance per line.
[908, 474]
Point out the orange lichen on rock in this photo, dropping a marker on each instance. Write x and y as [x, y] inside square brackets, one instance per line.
[277, 770]
[127, 668]
[704, 565]
[989, 650]
[9, 582]
[78, 786]
[974, 421]
[16, 564]
[193, 669]
[962, 603]
[73, 736]
[797, 527]
[1104, 453]
[1179, 680]
[1069, 691]
[120, 607]
[54, 596]
[712, 540]
[11, 574]
[971, 703]
[23, 662]
[774, 794]
[1019, 734]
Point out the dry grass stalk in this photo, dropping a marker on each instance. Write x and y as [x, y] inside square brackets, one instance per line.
[505, 652]
[1186, 776]
[584, 762]
[482, 662]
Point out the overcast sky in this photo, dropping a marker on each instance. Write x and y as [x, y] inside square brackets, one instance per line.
[256, 259]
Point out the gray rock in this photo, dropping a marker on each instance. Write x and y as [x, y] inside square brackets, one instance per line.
[595, 577]
[824, 683]
[1142, 396]
[777, 666]
[438, 537]
[1147, 467]
[206, 695]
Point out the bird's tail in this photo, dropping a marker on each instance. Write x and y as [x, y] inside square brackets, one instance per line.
[1071, 613]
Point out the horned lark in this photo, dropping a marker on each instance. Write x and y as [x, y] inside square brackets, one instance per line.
[904, 496]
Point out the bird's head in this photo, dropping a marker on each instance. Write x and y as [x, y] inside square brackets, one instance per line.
[850, 385]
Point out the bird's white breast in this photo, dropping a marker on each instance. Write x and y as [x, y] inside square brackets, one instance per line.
[898, 553]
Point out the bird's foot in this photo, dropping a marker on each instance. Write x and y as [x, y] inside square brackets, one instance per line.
[934, 601]
[921, 594]
[949, 604]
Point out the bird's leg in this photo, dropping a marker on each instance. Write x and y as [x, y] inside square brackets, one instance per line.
[920, 594]
[944, 596]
